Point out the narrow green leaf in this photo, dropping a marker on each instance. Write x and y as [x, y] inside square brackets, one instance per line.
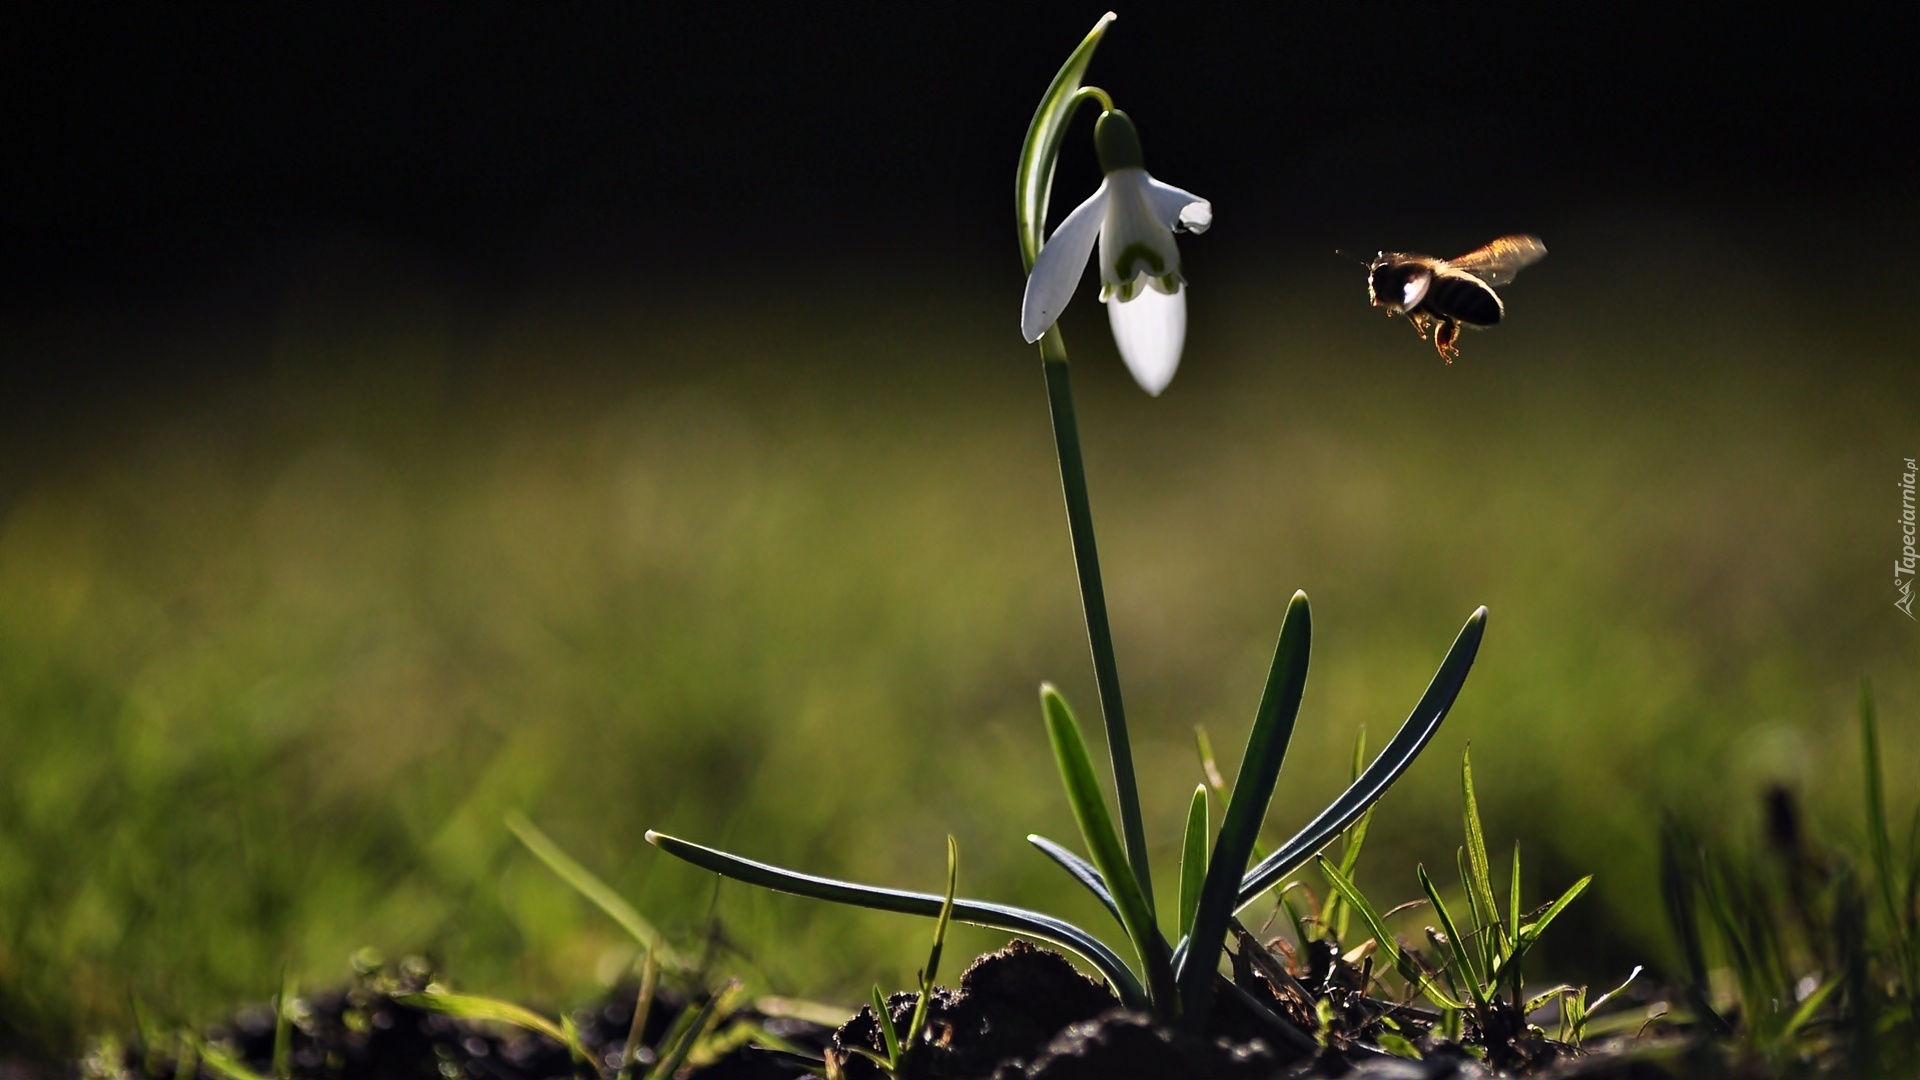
[931, 972]
[1089, 807]
[1033, 181]
[186, 1064]
[1399, 1046]
[671, 1062]
[1546, 919]
[1083, 871]
[1462, 950]
[1608, 996]
[1480, 887]
[599, 892]
[1240, 824]
[1512, 929]
[223, 1063]
[1216, 783]
[1209, 765]
[1809, 1008]
[642, 1012]
[1510, 933]
[1879, 837]
[1332, 914]
[283, 1027]
[883, 1019]
[1678, 889]
[1531, 932]
[1357, 835]
[1193, 856]
[978, 913]
[1539, 1001]
[1389, 948]
[472, 1007]
[1400, 753]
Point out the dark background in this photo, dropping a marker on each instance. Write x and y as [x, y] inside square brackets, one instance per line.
[154, 150]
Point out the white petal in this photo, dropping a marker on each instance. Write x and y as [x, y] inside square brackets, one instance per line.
[1135, 245]
[1150, 330]
[1056, 273]
[1181, 211]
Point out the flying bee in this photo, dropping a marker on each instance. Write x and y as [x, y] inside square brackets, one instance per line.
[1446, 294]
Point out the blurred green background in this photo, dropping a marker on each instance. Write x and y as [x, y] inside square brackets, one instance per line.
[778, 562]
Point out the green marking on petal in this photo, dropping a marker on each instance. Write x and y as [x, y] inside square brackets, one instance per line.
[1126, 267]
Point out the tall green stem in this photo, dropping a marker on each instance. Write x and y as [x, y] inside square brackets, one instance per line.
[1093, 597]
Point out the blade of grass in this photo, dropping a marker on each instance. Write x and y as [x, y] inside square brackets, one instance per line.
[1755, 998]
[1538, 1001]
[1209, 765]
[642, 1012]
[1486, 911]
[883, 1019]
[473, 1007]
[218, 1061]
[1216, 783]
[283, 1027]
[1246, 808]
[186, 1066]
[1089, 807]
[1331, 914]
[1531, 932]
[1400, 753]
[1383, 938]
[932, 971]
[1462, 951]
[1193, 855]
[1587, 1010]
[599, 892]
[1679, 891]
[1510, 934]
[670, 1064]
[1513, 897]
[1809, 1008]
[978, 913]
[1879, 836]
[1087, 874]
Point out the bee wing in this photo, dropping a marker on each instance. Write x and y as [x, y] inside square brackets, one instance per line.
[1498, 262]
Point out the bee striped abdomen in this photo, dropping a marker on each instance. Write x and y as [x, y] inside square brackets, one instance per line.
[1463, 297]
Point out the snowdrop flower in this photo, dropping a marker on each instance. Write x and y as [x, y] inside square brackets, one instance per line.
[1134, 217]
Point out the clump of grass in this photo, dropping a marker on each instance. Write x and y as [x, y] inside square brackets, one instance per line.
[1475, 975]
[1788, 953]
[900, 1046]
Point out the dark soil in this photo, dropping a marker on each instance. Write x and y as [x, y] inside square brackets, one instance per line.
[1022, 1013]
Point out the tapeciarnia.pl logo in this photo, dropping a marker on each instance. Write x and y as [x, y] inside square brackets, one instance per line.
[1903, 567]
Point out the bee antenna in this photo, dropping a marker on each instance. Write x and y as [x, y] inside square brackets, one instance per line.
[1351, 255]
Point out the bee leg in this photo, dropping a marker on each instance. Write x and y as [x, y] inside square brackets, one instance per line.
[1444, 337]
[1419, 320]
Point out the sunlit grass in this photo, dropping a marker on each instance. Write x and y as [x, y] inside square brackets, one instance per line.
[274, 662]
